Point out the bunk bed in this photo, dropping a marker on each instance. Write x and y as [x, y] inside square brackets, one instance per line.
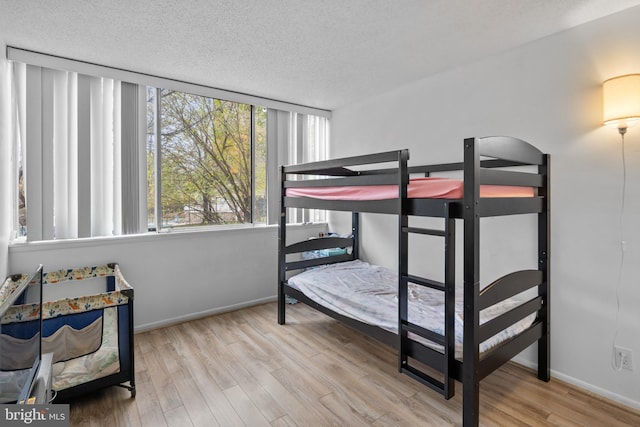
[500, 176]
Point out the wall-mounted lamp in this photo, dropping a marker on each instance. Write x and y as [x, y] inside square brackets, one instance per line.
[621, 98]
[621, 108]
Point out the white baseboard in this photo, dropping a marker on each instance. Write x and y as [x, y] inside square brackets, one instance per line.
[193, 316]
[623, 400]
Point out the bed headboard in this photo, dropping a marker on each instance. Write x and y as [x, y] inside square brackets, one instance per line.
[317, 244]
[508, 148]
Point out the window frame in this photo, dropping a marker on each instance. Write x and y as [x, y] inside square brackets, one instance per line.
[157, 226]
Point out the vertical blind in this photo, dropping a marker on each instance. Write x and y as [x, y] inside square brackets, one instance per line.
[75, 136]
[293, 138]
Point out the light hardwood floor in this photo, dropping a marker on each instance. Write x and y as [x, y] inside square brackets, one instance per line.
[243, 369]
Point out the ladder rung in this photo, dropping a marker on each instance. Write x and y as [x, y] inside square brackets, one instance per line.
[426, 282]
[424, 333]
[424, 379]
[428, 231]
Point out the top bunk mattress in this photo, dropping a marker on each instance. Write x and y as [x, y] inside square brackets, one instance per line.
[418, 188]
[368, 293]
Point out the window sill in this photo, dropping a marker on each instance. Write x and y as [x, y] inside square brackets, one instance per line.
[175, 233]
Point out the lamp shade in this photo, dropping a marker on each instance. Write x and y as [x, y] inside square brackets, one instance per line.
[621, 98]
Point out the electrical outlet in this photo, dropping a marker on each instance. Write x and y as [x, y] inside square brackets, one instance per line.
[624, 358]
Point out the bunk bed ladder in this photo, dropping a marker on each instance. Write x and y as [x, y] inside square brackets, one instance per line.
[445, 383]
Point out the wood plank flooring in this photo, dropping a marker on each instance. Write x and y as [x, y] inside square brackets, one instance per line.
[243, 369]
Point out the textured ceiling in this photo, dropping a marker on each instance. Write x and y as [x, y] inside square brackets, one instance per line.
[322, 53]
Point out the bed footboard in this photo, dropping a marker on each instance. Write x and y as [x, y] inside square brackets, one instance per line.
[502, 149]
[506, 287]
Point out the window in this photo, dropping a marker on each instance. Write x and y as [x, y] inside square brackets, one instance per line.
[101, 151]
[210, 162]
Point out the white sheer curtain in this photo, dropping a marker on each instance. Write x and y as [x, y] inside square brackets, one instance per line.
[69, 138]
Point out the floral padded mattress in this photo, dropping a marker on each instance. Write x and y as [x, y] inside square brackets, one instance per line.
[368, 293]
[97, 364]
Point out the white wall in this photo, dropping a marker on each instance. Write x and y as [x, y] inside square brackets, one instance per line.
[549, 93]
[177, 276]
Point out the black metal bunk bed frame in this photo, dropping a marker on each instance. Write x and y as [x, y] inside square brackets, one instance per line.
[502, 152]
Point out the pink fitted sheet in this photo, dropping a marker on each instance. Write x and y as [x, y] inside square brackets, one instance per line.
[419, 188]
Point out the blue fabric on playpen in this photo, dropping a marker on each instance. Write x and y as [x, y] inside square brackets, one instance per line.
[76, 321]
[123, 336]
[22, 330]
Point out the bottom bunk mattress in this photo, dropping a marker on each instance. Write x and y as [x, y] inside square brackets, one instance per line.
[368, 293]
